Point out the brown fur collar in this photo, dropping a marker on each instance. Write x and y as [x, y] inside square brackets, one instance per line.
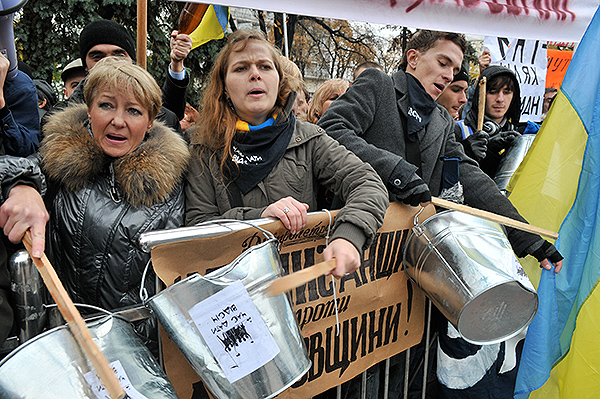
[146, 176]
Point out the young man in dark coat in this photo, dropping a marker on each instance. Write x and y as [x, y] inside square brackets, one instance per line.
[501, 117]
[395, 124]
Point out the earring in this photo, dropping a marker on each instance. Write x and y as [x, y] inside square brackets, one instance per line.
[230, 105]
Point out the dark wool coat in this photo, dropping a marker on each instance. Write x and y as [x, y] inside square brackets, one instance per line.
[370, 119]
[97, 217]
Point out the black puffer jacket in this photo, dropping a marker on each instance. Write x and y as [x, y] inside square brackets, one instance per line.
[99, 206]
[13, 171]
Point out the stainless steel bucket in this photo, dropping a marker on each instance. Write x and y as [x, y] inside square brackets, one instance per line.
[52, 365]
[180, 307]
[512, 159]
[28, 295]
[467, 268]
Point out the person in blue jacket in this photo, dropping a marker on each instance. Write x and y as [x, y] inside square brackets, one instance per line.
[19, 119]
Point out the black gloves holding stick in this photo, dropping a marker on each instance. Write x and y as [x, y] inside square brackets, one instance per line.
[490, 138]
[415, 192]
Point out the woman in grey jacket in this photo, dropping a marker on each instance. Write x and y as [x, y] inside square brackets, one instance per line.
[254, 159]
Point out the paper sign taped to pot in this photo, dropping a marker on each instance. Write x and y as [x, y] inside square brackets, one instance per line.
[381, 312]
[234, 331]
[100, 390]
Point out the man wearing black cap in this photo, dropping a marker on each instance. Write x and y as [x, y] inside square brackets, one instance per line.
[46, 95]
[455, 95]
[104, 38]
[453, 99]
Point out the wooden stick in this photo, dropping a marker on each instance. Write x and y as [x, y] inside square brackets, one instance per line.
[494, 218]
[481, 113]
[142, 32]
[300, 277]
[76, 323]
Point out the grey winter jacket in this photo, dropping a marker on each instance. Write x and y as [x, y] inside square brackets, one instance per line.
[99, 206]
[370, 119]
[311, 158]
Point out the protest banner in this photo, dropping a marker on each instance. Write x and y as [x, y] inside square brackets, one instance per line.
[558, 62]
[381, 313]
[527, 59]
[532, 19]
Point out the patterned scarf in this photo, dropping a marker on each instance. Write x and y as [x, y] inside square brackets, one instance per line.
[420, 107]
[257, 149]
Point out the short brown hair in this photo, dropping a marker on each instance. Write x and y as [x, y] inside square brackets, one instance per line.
[423, 40]
[116, 73]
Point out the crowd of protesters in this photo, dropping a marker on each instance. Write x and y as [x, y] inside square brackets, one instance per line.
[120, 156]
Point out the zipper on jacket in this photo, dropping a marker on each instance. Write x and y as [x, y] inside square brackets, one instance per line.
[114, 192]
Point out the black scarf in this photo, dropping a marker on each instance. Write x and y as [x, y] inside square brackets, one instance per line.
[257, 152]
[420, 107]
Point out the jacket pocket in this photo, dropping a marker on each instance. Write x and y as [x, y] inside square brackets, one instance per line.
[296, 177]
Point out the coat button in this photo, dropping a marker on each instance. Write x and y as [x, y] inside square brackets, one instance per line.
[397, 182]
[298, 139]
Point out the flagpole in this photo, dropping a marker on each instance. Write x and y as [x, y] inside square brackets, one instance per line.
[142, 32]
[285, 38]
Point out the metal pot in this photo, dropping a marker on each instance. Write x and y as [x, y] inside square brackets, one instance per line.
[467, 268]
[180, 307]
[52, 365]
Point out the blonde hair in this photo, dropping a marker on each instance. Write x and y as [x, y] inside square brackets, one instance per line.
[291, 70]
[216, 126]
[322, 94]
[117, 74]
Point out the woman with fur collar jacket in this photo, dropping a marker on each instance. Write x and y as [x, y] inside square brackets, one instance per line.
[113, 173]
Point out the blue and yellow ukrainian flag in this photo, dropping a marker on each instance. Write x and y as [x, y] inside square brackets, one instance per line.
[558, 187]
[213, 26]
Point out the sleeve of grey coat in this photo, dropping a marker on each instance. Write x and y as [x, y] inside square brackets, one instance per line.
[481, 192]
[357, 184]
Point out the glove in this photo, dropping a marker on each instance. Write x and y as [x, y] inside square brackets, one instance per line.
[501, 141]
[476, 145]
[415, 192]
[549, 251]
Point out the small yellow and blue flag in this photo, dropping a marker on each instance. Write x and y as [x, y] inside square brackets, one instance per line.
[213, 25]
